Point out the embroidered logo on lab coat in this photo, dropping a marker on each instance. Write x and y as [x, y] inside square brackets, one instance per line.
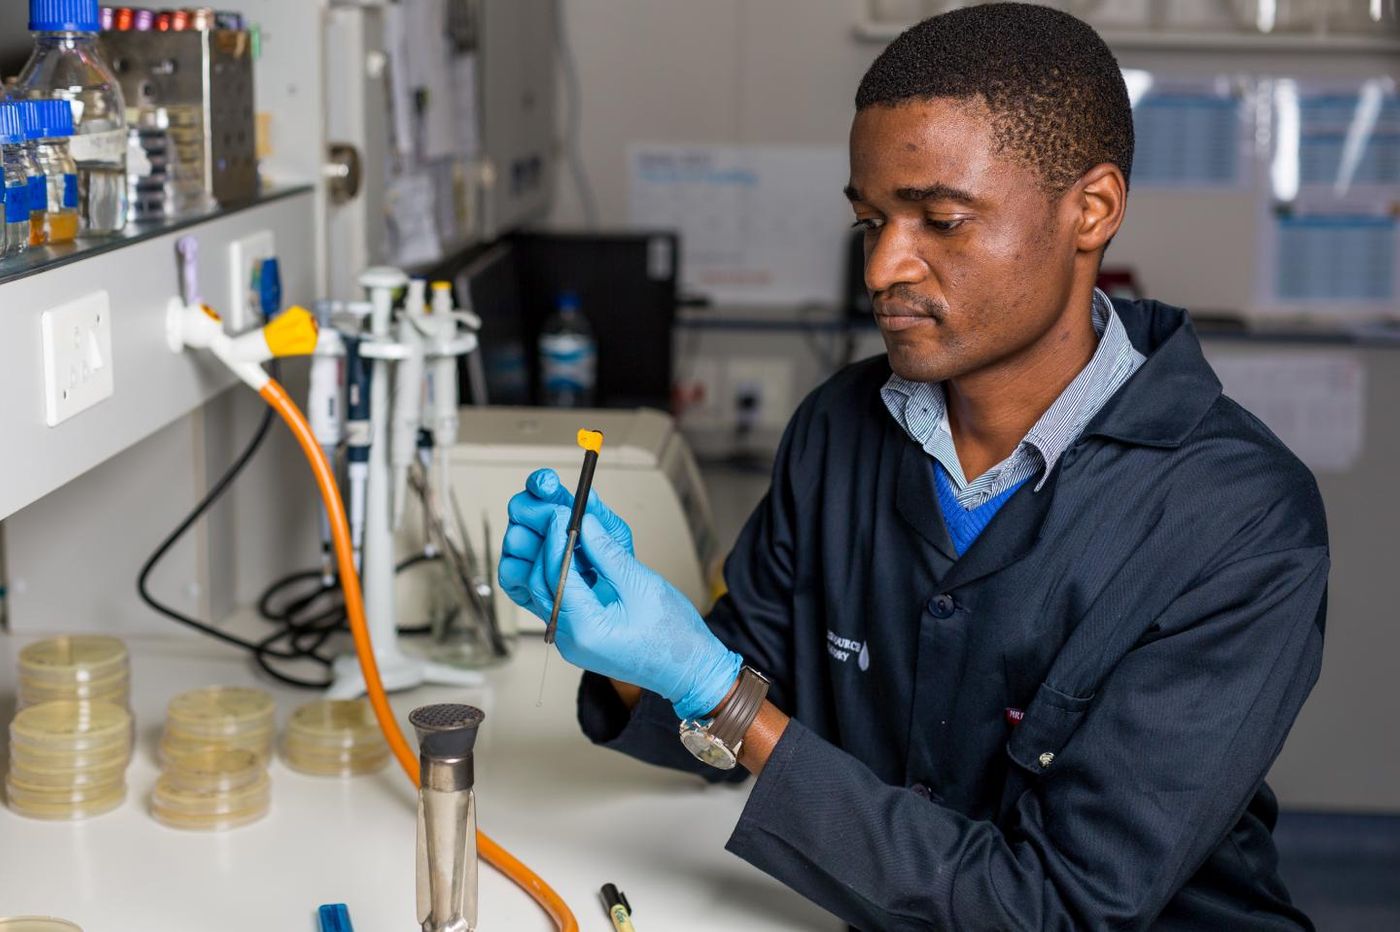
[843, 648]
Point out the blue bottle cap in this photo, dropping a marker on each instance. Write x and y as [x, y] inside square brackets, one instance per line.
[29, 118]
[567, 301]
[55, 118]
[64, 16]
[11, 123]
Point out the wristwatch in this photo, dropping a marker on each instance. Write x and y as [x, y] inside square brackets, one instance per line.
[718, 741]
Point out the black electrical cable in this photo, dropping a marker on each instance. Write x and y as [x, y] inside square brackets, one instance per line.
[308, 631]
[305, 632]
[260, 650]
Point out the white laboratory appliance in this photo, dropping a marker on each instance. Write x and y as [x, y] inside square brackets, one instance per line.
[646, 474]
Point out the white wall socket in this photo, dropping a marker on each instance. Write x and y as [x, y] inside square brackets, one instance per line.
[245, 257]
[77, 356]
[769, 379]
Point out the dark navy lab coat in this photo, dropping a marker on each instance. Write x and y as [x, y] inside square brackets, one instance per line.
[1068, 726]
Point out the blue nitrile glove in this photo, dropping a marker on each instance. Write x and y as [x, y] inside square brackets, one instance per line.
[632, 625]
[530, 512]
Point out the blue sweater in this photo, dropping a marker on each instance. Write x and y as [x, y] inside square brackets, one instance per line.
[965, 524]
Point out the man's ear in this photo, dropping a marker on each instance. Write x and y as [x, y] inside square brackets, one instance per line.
[1098, 201]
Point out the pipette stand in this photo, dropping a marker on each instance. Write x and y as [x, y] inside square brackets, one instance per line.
[398, 670]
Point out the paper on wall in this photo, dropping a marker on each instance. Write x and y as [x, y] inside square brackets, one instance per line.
[1190, 132]
[1329, 205]
[1314, 401]
[411, 203]
[758, 224]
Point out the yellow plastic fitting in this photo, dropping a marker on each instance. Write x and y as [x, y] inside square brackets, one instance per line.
[292, 333]
[591, 440]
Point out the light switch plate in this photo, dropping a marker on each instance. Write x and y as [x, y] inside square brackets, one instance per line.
[77, 339]
[245, 260]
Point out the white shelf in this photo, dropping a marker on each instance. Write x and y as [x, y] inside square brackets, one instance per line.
[1224, 41]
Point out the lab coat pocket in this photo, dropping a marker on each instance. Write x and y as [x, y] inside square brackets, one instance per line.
[1049, 722]
[1037, 742]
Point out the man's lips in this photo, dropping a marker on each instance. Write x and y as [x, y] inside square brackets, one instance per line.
[894, 318]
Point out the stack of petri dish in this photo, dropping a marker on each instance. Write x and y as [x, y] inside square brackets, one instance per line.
[334, 738]
[68, 759]
[236, 717]
[87, 667]
[212, 789]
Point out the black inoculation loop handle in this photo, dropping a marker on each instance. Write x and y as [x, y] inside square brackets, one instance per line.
[581, 493]
[585, 485]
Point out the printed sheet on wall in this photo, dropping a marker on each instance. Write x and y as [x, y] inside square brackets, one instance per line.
[1191, 132]
[1329, 212]
[759, 225]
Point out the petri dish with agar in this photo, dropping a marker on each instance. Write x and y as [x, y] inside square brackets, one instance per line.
[86, 667]
[60, 804]
[334, 737]
[44, 773]
[220, 711]
[214, 770]
[219, 716]
[68, 726]
[37, 924]
[210, 810]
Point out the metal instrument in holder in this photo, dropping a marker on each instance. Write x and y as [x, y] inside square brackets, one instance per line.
[447, 896]
[189, 97]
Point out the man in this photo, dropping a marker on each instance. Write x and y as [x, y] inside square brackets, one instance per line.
[1037, 603]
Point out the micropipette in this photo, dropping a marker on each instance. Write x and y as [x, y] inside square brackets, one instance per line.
[592, 443]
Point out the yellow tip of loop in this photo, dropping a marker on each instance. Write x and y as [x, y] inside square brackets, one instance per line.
[591, 440]
[292, 333]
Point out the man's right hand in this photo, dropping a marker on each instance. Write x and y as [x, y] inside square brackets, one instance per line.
[532, 509]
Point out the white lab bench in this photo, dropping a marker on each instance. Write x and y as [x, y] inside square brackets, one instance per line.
[579, 816]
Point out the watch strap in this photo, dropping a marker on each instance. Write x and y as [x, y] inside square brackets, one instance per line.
[735, 716]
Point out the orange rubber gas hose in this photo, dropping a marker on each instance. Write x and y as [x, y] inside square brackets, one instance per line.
[492, 853]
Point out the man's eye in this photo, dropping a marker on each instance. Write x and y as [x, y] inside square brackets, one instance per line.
[868, 225]
[945, 226]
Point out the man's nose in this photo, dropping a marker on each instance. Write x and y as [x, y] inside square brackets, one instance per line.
[891, 258]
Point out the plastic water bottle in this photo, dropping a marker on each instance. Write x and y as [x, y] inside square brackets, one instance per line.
[55, 119]
[38, 184]
[16, 238]
[67, 64]
[568, 356]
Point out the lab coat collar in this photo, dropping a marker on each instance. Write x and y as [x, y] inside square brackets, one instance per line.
[1171, 392]
[916, 497]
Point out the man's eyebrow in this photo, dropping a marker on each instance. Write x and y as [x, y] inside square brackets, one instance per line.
[935, 192]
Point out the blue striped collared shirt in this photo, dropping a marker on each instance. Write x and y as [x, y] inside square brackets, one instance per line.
[922, 410]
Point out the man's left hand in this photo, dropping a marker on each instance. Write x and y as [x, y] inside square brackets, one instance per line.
[631, 624]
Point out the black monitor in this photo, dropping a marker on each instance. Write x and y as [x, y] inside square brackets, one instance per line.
[627, 288]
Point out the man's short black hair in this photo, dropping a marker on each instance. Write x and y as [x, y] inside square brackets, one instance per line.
[1055, 92]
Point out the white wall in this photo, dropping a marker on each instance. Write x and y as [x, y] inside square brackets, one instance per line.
[717, 71]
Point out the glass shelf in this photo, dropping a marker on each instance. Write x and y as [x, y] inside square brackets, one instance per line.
[42, 258]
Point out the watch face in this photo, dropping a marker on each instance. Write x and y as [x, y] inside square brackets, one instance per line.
[707, 748]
